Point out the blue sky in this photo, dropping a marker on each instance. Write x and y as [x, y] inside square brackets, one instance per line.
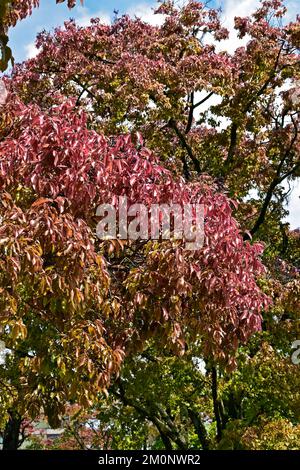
[50, 15]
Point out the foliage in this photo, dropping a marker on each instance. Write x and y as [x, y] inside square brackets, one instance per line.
[11, 11]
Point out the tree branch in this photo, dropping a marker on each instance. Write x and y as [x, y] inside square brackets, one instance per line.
[276, 181]
[214, 389]
[191, 113]
[193, 107]
[233, 143]
[185, 145]
[166, 430]
[203, 100]
[199, 428]
[234, 126]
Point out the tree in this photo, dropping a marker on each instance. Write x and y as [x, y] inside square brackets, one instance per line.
[11, 11]
[72, 303]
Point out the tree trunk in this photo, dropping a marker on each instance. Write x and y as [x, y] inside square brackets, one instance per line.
[200, 429]
[12, 431]
[216, 403]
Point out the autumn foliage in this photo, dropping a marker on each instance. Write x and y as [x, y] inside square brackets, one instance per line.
[110, 110]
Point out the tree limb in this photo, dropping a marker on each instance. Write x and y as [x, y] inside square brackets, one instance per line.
[173, 125]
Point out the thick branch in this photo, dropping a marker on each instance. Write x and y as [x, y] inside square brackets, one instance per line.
[200, 429]
[186, 170]
[203, 100]
[85, 89]
[185, 145]
[214, 389]
[191, 113]
[233, 143]
[262, 215]
[165, 430]
[100, 59]
[193, 107]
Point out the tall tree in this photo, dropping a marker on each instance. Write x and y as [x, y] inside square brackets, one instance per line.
[74, 307]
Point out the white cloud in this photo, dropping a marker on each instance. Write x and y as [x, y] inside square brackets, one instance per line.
[234, 8]
[243, 8]
[231, 9]
[146, 13]
[30, 50]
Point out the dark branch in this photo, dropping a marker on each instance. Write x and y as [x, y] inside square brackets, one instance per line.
[185, 145]
[191, 113]
[203, 100]
[214, 389]
[246, 109]
[100, 59]
[199, 428]
[233, 143]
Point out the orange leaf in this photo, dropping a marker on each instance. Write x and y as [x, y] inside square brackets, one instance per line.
[41, 201]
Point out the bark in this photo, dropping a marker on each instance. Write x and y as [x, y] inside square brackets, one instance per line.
[200, 429]
[216, 403]
[12, 431]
